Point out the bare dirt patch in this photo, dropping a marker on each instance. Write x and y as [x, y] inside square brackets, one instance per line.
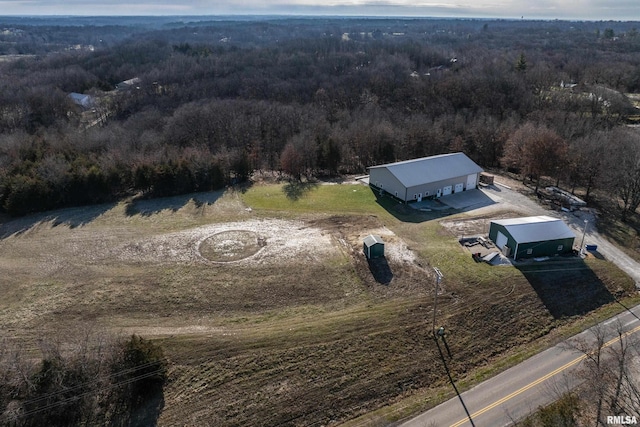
[231, 245]
[399, 273]
[478, 226]
[351, 231]
[252, 242]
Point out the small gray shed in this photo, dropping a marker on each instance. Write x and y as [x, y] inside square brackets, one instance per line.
[373, 246]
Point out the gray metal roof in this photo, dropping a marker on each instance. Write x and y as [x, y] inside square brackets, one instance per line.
[81, 99]
[431, 169]
[536, 228]
[371, 240]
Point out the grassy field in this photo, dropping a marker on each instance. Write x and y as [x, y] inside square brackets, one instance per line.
[300, 333]
[295, 199]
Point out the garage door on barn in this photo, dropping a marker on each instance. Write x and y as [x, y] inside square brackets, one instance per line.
[501, 241]
[433, 176]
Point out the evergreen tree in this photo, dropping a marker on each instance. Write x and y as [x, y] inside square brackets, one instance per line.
[521, 64]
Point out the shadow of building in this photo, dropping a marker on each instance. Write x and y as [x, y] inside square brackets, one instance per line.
[380, 270]
[567, 288]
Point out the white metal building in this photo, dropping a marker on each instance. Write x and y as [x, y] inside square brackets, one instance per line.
[433, 176]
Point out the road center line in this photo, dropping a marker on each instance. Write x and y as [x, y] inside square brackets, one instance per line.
[543, 378]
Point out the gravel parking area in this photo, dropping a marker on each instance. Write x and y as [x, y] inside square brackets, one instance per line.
[506, 196]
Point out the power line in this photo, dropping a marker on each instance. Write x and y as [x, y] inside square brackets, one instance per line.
[78, 386]
[72, 398]
[66, 400]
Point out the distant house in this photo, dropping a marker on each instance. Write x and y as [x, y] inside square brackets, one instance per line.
[534, 236]
[84, 101]
[434, 176]
[128, 84]
[373, 246]
[564, 85]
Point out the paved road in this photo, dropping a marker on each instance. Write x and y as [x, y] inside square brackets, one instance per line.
[518, 391]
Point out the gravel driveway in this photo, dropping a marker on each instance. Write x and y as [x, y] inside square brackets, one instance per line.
[508, 198]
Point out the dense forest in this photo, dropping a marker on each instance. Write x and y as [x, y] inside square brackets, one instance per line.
[177, 105]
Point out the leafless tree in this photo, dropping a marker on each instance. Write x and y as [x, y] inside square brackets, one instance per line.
[611, 386]
[536, 150]
[291, 161]
[622, 163]
[586, 159]
[88, 377]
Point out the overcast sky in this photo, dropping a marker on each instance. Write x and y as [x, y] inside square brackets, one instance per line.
[529, 9]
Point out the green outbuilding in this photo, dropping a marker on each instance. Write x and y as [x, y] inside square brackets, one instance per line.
[530, 237]
[373, 246]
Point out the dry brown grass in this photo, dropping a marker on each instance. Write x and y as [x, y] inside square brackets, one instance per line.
[298, 333]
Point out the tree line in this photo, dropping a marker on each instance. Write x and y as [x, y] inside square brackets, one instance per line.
[218, 100]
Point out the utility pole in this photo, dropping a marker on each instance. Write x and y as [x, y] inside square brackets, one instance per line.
[586, 221]
[439, 278]
[440, 332]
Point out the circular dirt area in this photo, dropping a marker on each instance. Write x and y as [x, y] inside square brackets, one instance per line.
[232, 245]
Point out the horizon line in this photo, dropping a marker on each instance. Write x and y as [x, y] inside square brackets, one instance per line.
[311, 15]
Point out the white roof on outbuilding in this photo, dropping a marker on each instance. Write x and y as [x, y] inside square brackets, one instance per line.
[81, 99]
[431, 169]
[372, 239]
[536, 228]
